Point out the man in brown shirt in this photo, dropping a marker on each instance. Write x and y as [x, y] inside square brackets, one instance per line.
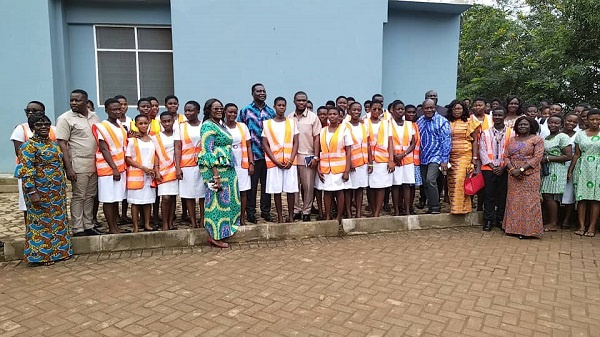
[309, 146]
[74, 135]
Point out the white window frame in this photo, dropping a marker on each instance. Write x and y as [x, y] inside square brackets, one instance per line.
[137, 57]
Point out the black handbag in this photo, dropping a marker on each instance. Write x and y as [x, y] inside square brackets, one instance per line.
[545, 170]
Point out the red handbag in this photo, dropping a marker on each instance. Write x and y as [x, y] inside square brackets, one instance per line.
[473, 183]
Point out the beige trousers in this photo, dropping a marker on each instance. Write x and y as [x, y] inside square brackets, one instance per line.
[306, 179]
[82, 201]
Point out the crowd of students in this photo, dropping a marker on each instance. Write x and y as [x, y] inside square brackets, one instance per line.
[528, 156]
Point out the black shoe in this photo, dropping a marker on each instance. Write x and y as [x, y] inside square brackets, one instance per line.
[306, 217]
[420, 204]
[387, 208]
[487, 226]
[267, 217]
[252, 219]
[433, 211]
[1, 244]
[79, 234]
[297, 216]
[320, 218]
[92, 231]
[412, 211]
[314, 210]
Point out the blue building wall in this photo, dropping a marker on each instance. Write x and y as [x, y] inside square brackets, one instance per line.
[26, 67]
[420, 52]
[325, 48]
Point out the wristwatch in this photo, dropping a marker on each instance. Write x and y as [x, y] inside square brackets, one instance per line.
[522, 169]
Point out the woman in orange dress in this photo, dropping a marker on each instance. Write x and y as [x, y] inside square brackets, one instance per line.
[463, 155]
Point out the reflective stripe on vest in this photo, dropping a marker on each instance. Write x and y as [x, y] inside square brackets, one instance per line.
[359, 151]
[166, 162]
[489, 138]
[245, 162]
[333, 155]
[417, 151]
[189, 151]
[379, 147]
[282, 153]
[115, 147]
[400, 145]
[135, 176]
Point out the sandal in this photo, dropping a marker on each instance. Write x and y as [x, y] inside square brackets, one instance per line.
[590, 234]
[580, 232]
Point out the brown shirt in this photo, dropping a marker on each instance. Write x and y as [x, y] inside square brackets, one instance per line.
[76, 129]
[309, 126]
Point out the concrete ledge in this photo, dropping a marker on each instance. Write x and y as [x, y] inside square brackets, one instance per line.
[13, 250]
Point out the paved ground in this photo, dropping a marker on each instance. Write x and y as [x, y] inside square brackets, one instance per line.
[420, 283]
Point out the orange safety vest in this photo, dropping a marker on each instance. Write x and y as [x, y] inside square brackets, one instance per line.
[489, 138]
[245, 161]
[379, 147]
[417, 150]
[333, 155]
[189, 150]
[166, 162]
[281, 152]
[135, 176]
[359, 151]
[116, 148]
[400, 145]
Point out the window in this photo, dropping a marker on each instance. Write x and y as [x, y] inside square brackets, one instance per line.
[133, 61]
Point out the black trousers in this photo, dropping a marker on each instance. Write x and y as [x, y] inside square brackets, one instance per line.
[495, 196]
[260, 174]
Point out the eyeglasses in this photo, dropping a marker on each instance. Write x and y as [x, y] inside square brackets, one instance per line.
[32, 111]
[42, 124]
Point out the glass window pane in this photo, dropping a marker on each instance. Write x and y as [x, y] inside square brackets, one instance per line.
[156, 74]
[115, 37]
[155, 38]
[117, 75]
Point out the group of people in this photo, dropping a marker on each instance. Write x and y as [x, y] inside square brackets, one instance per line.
[332, 155]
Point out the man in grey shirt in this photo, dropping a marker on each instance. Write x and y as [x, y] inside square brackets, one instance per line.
[74, 135]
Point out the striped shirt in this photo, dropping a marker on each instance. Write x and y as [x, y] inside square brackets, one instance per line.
[435, 139]
[254, 117]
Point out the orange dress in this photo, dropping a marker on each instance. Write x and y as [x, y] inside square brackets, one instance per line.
[461, 155]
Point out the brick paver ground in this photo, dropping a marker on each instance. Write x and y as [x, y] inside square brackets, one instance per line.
[460, 282]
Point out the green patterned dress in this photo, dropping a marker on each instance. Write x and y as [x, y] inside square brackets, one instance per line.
[222, 208]
[557, 180]
[587, 180]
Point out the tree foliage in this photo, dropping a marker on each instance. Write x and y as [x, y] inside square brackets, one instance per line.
[537, 49]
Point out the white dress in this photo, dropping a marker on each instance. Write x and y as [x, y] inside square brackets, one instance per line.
[360, 177]
[192, 185]
[404, 174]
[18, 134]
[110, 190]
[333, 181]
[279, 180]
[380, 178]
[170, 187]
[244, 183]
[147, 194]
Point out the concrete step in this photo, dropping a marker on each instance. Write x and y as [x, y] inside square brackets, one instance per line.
[13, 249]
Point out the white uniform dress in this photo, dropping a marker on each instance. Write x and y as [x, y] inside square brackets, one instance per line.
[192, 185]
[404, 174]
[360, 177]
[244, 183]
[170, 187]
[147, 194]
[127, 122]
[380, 178]
[279, 180]
[333, 181]
[18, 134]
[110, 190]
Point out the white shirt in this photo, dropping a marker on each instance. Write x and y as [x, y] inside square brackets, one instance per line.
[127, 122]
[117, 131]
[237, 141]
[193, 132]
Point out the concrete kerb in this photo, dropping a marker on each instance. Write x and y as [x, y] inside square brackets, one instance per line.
[13, 250]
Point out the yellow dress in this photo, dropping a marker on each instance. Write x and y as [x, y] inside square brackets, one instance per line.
[461, 155]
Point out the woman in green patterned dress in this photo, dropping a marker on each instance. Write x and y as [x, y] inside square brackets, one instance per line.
[586, 181]
[222, 202]
[557, 152]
